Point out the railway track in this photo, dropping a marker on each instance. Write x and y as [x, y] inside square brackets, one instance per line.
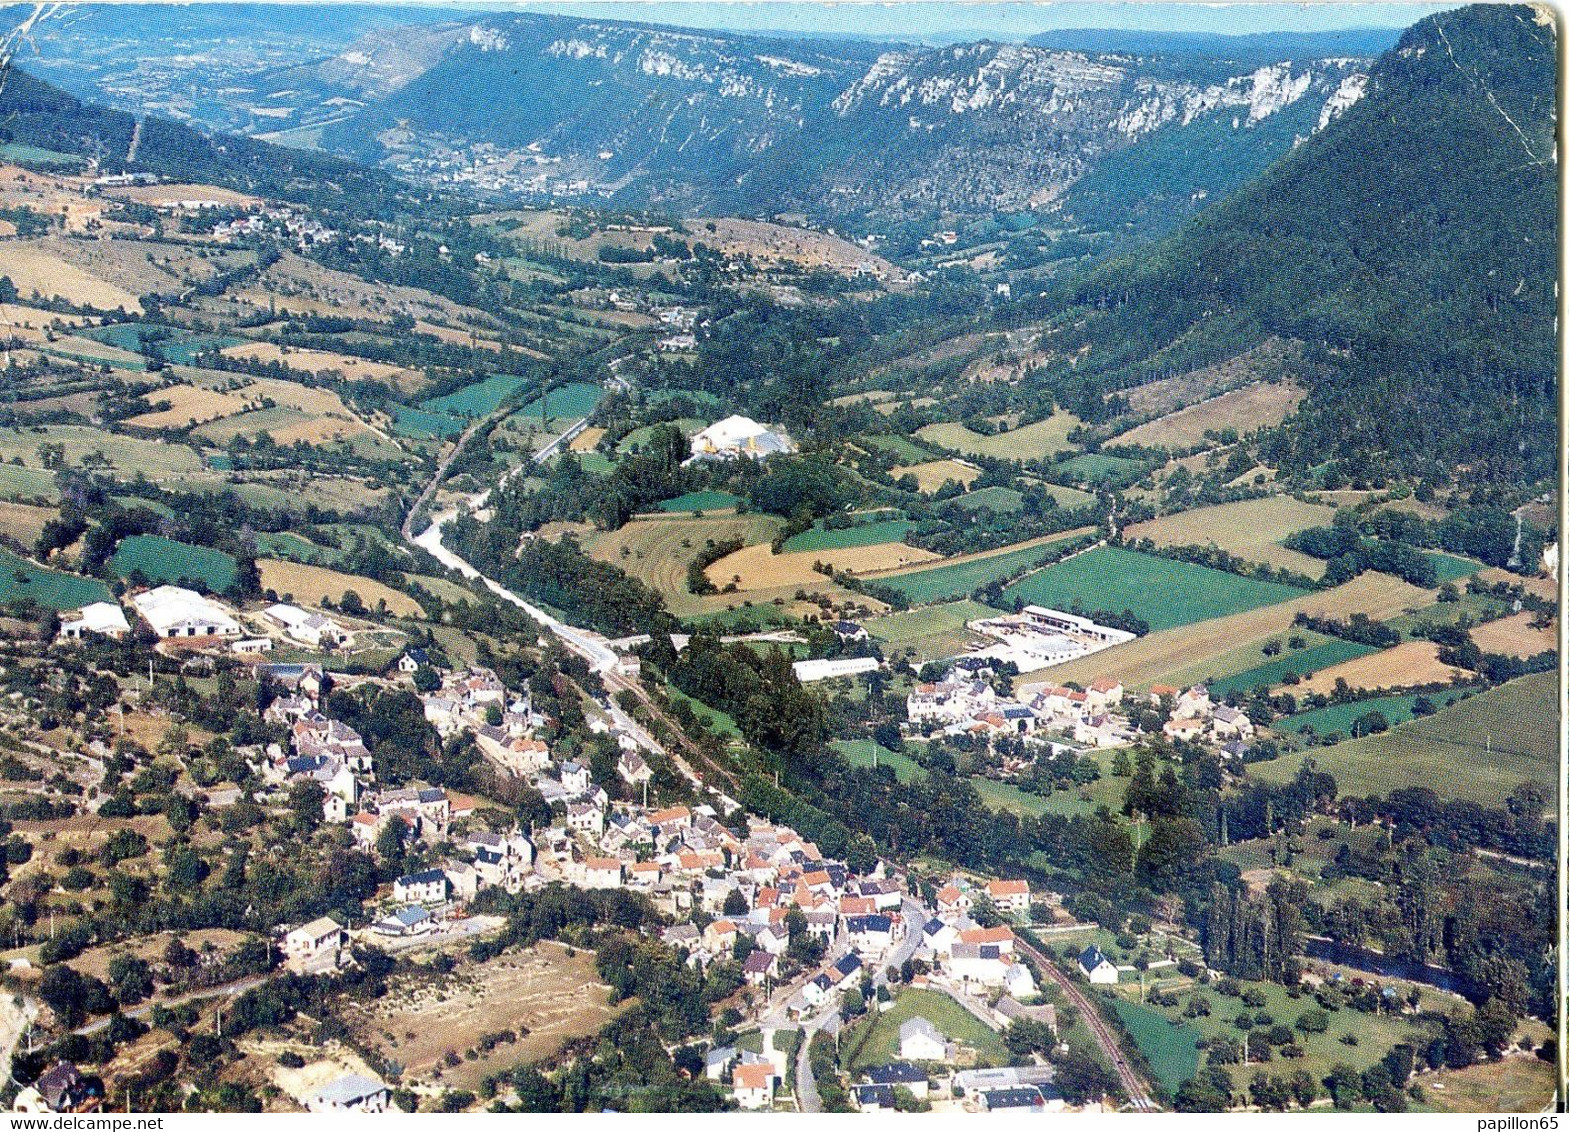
[1133, 1085]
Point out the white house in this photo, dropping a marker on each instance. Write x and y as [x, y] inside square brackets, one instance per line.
[1096, 967]
[1010, 897]
[103, 617]
[304, 626]
[428, 887]
[313, 942]
[919, 1040]
[176, 612]
[753, 1085]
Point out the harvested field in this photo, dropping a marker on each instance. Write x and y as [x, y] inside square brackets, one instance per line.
[1256, 406]
[777, 243]
[758, 567]
[1513, 636]
[23, 522]
[1404, 666]
[37, 268]
[1523, 1083]
[586, 440]
[175, 193]
[309, 584]
[1150, 660]
[658, 551]
[1252, 529]
[188, 405]
[318, 362]
[1172, 393]
[1031, 442]
[934, 473]
[542, 995]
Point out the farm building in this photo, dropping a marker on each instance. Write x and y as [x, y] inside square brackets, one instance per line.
[350, 1093]
[807, 671]
[738, 436]
[173, 611]
[1072, 623]
[306, 627]
[103, 617]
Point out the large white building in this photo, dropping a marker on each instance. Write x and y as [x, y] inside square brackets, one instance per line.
[739, 436]
[304, 626]
[176, 612]
[104, 617]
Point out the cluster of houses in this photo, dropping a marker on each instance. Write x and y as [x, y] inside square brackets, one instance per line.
[964, 703]
[299, 228]
[1196, 718]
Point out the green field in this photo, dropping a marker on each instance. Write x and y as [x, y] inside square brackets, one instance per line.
[1027, 442]
[935, 632]
[943, 583]
[285, 544]
[86, 446]
[50, 589]
[1162, 591]
[1003, 500]
[175, 344]
[1171, 1048]
[24, 484]
[901, 448]
[1338, 718]
[477, 400]
[638, 438]
[1451, 568]
[1097, 468]
[861, 752]
[862, 534]
[699, 501]
[1006, 796]
[1069, 496]
[423, 425]
[570, 402]
[718, 722]
[875, 1040]
[24, 154]
[163, 560]
[1479, 749]
[1300, 661]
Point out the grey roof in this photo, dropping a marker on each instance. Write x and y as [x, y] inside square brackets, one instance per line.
[350, 1089]
[849, 965]
[872, 923]
[1023, 1097]
[919, 1026]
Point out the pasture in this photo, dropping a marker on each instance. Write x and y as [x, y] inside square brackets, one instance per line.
[37, 267]
[1478, 749]
[87, 446]
[163, 560]
[1246, 409]
[1165, 654]
[477, 400]
[934, 632]
[1171, 1047]
[568, 402]
[1341, 718]
[957, 577]
[1451, 567]
[1161, 591]
[1514, 636]
[699, 501]
[932, 474]
[307, 585]
[1251, 529]
[1315, 658]
[1098, 469]
[902, 448]
[21, 580]
[1523, 1083]
[869, 753]
[861, 534]
[1407, 665]
[24, 522]
[1002, 500]
[27, 484]
[187, 405]
[1030, 442]
[422, 425]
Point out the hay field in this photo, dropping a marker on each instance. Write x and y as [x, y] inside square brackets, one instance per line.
[586, 440]
[777, 243]
[309, 584]
[318, 362]
[1252, 529]
[934, 473]
[1513, 636]
[1152, 659]
[934, 632]
[1169, 394]
[759, 568]
[1406, 665]
[188, 404]
[35, 267]
[657, 552]
[23, 522]
[1255, 406]
[542, 994]
[124, 453]
[1032, 442]
[175, 193]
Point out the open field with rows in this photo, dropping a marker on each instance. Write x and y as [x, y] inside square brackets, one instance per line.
[1163, 592]
[758, 567]
[161, 560]
[1479, 749]
[1252, 529]
[1330, 652]
[1253, 407]
[306, 585]
[50, 589]
[962, 574]
[1406, 665]
[657, 552]
[1156, 658]
[1030, 442]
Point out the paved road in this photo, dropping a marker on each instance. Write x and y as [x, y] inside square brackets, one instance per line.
[1132, 1084]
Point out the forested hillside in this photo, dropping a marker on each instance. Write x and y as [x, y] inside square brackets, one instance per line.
[1409, 245]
